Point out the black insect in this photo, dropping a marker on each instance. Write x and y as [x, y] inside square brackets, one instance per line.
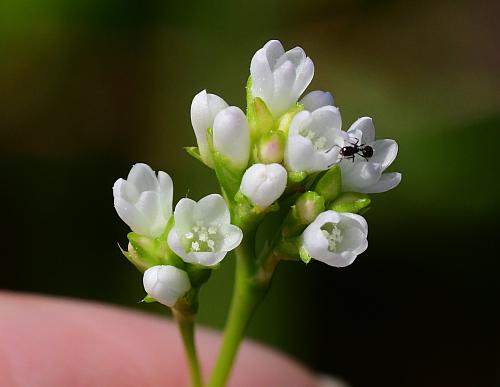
[350, 151]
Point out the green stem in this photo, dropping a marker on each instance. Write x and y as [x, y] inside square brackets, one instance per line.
[248, 292]
[186, 327]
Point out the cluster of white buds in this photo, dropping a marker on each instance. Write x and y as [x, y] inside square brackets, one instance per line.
[282, 146]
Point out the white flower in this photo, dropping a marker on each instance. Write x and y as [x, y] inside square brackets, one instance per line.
[231, 136]
[336, 238]
[264, 183]
[314, 140]
[166, 284]
[203, 233]
[144, 201]
[204, 108]
[367, 176]
[316, 99]
[280, 77]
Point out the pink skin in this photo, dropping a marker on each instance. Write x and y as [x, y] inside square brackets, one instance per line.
[53, 342]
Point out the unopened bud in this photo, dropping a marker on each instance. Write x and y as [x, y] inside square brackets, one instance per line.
[166, 284]
[272, 148]
[263, 184]
[307, 207]
[354, 202]
[330, 184]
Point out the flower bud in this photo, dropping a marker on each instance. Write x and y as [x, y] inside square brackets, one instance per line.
[263, 184]
[307, 207]
[316, 99]
[354, 202]
[280, 77]
[166, 284]
[272, 148]
[204, 108]
[231, 136]
[330, 184]
[144, 200]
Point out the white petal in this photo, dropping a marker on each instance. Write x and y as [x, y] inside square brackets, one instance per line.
[149, 205]
[316, 99]
[325, 119]
[183, 215]
[296, 55]
[354, 220]
[205, 258]
[305, 73]
[203, 111]
[273, 50]
[166, 193]
[143, 178]
[283, 99]
[262, 76]
[232, 136]
[384, 152]
[300, 121]
[299, 154]
[353, 240]
[315, 242]
[365, 125]
[212, 209]
[232, 237]
[252, 179]
[175, 245]
[387, 182]
[327, 217]
[342, 259]
[361, 176]
[132, 217]
[166, 284]
[119, 189]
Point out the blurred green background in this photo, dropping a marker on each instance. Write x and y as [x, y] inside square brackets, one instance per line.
[87, 88]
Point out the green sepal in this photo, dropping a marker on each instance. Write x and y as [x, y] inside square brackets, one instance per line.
[260, 119]
[134, 259]
[304, 255]
[151, 252]
[330, 184]
[353, 202]
[245, 214]
[194, 151]
[148, 299]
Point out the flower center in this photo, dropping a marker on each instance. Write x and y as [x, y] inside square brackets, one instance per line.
[201, 237]
[332, 234]
[319, 142]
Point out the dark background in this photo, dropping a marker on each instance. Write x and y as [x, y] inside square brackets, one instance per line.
[87, 88]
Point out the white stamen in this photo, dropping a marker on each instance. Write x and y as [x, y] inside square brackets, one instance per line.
[195, 246]
[332, 234]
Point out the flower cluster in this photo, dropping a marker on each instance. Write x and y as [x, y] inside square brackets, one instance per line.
[286, 152]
